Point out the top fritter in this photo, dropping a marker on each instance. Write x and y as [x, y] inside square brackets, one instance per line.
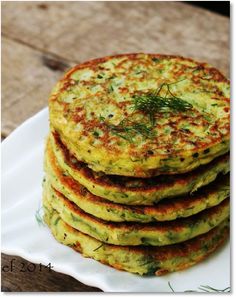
[142, 114]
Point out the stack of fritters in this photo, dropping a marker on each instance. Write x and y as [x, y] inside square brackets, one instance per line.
[137, 162]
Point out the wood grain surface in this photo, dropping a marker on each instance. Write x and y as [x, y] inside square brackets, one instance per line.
[40, 40]
[20, 275]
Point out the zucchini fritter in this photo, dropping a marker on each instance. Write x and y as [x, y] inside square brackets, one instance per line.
[131, 233]
[127, 190]
[142, 114]
[142, 260]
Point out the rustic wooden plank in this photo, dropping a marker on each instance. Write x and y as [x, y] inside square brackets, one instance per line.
[27, 78]
[83, 30]
[17, 278]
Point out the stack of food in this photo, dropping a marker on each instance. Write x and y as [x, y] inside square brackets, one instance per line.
[137, 161]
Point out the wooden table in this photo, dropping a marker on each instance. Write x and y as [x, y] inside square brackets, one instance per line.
[43, 39]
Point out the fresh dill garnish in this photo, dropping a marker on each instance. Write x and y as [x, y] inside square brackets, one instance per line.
[153, 102]
[39, 216]
[142, 129]
[207, 289]
[211, 289]
[128, 130]
[170, 287]
[149, 103]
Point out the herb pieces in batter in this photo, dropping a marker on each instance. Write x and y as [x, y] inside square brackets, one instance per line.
[98, 247]
[154, 59]
[96, 134]
[153, 102]
[101, 118]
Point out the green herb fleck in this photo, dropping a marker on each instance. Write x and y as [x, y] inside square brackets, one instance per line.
[101, 118]
[74, 218]
[110, 88]
[96, 134]
[98, 247]
[154, 59]
[56, 221]
[206, 77]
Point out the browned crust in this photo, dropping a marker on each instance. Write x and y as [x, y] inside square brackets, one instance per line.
[183, 249]
[162, 207]
[149, 184]
[133, 56]
[176, 225]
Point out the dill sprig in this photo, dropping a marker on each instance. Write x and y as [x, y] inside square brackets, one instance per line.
[39, 216]
[211, 289]
[128, 130]
[153, 102]
[206, 288]
[150, 103]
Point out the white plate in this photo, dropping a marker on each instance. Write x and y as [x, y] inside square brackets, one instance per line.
[22, 235]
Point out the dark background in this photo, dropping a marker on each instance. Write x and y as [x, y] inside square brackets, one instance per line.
[221, 7]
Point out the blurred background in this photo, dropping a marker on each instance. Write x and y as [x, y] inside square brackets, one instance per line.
[40, 40]
[221, 7]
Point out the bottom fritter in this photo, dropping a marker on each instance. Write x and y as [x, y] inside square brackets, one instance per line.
[143, 260]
